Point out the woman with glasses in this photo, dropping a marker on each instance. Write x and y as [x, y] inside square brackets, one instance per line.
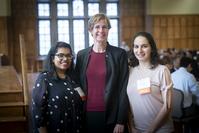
[103, 75]
[57, 101]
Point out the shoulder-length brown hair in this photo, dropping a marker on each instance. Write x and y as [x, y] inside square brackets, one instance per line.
[133, 61]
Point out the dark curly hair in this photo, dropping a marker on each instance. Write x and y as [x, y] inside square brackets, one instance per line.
[133, 61]
[49, 65]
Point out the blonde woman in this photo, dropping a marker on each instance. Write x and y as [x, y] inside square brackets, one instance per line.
[103, 75]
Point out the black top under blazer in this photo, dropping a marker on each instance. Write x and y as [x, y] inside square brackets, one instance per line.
[116, 101]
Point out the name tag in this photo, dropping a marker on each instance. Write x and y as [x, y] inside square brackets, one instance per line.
[81, 93]
[143, 86]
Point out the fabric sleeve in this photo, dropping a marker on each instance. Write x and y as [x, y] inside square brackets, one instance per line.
[166, 87]
[39, 102]
[77, 69]
[194, 88]
[123, 99]
[166, 82]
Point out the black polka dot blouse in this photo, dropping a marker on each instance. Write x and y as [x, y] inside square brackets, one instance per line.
[56, 105]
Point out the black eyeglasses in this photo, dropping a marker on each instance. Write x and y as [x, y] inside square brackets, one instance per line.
[61, 56]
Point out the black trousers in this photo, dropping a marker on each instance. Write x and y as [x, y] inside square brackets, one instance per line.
[95, 123]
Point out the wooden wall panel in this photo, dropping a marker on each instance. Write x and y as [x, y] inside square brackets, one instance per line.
[23, 22]
[180, 31]
[156, 22]
[176, 32]
[157, 32]
[195, 41]
[183, 32]
[183, 43]
[3, 36]
[176, 21]
[163, 22]
[132, 18]
[183, 21]
[171, 43]
[170, 32]
[170, 21]
[164, 42]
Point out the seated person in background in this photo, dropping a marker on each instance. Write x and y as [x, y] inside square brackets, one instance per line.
[166, 60]
[195, 69]
[185, 81]
[176, 62]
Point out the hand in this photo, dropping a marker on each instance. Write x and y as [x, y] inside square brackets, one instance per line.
[119, 128]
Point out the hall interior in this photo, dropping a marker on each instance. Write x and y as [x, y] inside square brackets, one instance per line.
[174, 25]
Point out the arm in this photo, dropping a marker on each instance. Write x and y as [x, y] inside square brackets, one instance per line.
[39, 104]
[77, 71]
[80, 68]
[123, 101]
[131, 126]
[194, 88]
[162, 116]
[164, 112]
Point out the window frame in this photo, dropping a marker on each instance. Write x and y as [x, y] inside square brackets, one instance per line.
[53, 18]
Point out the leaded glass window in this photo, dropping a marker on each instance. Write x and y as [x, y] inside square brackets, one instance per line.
[44, 36]
[78, 30]
[67, 20]
[63, 30]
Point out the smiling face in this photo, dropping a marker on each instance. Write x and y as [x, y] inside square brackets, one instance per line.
[100, 32]
[142, 49]
[62, 59]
